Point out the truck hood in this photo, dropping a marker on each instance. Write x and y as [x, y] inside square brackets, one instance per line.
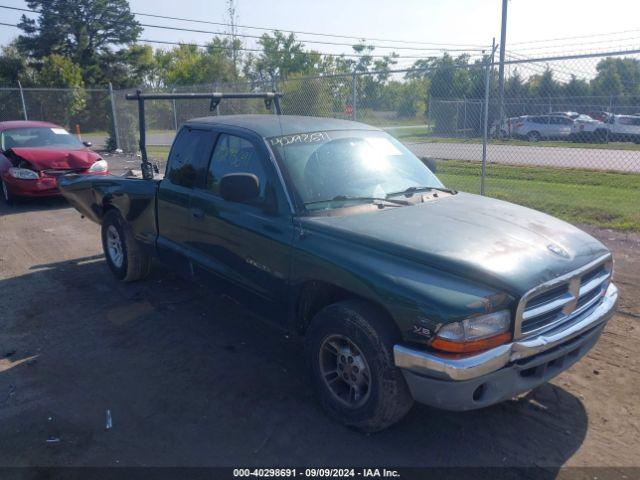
[483, 239]
[42, 158]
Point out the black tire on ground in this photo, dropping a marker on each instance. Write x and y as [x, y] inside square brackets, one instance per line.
[534, 136]
[360, 335]
[125, 256]
[7, 196]
[600, 136]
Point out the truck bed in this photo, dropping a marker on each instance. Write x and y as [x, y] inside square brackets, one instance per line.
[134, 198]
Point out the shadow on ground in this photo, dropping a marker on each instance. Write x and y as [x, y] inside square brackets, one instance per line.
[23, 205]
[193, 379]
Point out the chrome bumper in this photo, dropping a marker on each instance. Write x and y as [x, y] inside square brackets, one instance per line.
[434, 366]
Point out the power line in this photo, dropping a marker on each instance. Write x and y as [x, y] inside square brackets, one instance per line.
[563, 45]
[324, 42]
[167, 17]
[574, 37]
[247, 49]
[354, 55]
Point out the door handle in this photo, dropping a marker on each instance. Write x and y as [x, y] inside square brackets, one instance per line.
[197, 213]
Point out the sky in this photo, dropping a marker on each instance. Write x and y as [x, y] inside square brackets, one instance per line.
[467, 22]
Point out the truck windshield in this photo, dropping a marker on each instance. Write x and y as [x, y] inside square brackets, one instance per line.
[326, 167]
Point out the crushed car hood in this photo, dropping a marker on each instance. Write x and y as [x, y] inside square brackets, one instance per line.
[484, 239]
[42, 158]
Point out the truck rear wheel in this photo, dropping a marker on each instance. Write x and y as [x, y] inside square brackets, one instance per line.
[350, 351]
[125, 256]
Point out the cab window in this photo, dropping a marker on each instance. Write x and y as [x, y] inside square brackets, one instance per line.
[187, 165]
[233, 154]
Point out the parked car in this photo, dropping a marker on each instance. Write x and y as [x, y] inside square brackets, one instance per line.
[403, 289]
[507, 127]
[624, 128]
[570, 114]
[33, 156]
[600, 115]
[538, 127]
[587, 129]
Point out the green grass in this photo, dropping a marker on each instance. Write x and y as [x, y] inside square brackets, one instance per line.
[158, 152]
[408, 135]
[602, 199]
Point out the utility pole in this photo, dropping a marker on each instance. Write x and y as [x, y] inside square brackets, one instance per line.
[485, 113]
[503, 41]
[24, 104]
[231, 11]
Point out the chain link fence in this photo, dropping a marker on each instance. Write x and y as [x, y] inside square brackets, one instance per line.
[567, 140]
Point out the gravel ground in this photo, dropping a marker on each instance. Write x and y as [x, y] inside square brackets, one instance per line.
[194, 379]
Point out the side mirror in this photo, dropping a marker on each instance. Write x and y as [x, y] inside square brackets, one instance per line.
[87, 144]
[239, 187]
[430, 163]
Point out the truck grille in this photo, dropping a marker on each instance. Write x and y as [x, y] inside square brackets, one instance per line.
[556, 303]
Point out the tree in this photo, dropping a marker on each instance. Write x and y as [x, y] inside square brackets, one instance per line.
[577, 92]
[191, 65]
[282, 56]
[543, 85]
[514, 87]
[617, 77]
[84, 31]
[60, 72]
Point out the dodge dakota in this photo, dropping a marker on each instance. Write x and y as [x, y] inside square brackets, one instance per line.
[404, 290]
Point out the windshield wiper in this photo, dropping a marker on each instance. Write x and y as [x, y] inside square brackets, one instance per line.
[411, 190]
[370, 199]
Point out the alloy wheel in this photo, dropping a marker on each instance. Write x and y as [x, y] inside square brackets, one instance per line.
[345, 371]
[114, 246]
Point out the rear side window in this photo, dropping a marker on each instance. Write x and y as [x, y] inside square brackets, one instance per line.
[235, 155]
[189, 156]
[629, 121]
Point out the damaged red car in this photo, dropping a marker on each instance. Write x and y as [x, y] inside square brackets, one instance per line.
[35, 154]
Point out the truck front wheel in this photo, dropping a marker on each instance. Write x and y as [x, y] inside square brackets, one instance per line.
[125, 256]
[350, 351]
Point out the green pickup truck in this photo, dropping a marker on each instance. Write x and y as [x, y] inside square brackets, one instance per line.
[402, 289]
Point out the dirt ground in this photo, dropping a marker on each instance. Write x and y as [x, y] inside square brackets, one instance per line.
[194, 379]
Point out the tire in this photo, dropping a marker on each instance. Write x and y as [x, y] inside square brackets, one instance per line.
[7, 196]
[125, 256]
[354, 338]
[600, 136]
[534, 136]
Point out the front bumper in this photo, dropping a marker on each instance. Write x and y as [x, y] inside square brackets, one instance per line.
[44, 186]
[505, 371]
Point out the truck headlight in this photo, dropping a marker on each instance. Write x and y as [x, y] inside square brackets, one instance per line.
[23, 173]
[99, 166]
[474, 333]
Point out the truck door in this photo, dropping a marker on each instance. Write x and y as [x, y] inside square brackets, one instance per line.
[186, 169]
[247, 244]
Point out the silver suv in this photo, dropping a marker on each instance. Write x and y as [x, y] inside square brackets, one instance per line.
[538, 127]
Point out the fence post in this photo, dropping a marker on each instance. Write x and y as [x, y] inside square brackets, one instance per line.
[24, 105]
[487, 79]
[175, 115]
[114, 116]
[464, 125]
[274, 88]
[354, 95]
